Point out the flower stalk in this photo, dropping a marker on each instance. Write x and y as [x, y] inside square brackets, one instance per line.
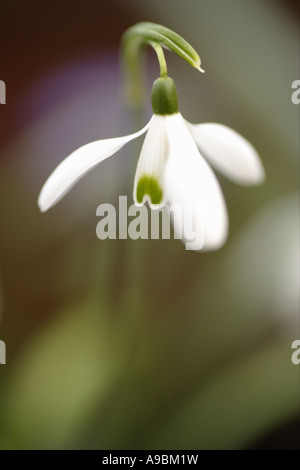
[161, 59]
[157, 36]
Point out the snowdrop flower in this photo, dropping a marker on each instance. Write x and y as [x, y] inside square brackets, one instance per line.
[173, 166]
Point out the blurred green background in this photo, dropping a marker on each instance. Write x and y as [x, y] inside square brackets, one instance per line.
[141, 344]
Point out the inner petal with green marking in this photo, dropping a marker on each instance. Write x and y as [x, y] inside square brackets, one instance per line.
[149, 185]
[149, 176]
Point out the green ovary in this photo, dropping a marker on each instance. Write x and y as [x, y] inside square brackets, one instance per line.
[149, 185]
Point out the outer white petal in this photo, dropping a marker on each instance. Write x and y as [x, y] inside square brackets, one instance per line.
[77, 164]
[152, 158]
[189, 182]
[229, 153]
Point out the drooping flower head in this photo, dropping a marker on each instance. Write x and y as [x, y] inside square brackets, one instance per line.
[173, 166]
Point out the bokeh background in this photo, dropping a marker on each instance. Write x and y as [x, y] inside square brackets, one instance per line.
[123, 344]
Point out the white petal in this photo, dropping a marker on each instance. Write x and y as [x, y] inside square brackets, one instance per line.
[229, 153]
[152, 161]
[190, 182]
[77, 164]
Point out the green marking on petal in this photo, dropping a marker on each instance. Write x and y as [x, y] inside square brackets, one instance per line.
[149, 185]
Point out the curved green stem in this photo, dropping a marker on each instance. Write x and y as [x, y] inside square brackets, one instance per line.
[161, 59]
[134, 40]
